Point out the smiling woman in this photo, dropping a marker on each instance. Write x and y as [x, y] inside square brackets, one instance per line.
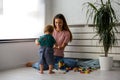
[22, 19]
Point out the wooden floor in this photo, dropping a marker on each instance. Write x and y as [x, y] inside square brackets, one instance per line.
[28, 73]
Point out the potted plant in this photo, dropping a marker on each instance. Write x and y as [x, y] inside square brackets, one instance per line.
[105, 20]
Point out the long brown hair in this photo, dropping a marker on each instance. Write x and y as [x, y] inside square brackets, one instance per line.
[65, 26]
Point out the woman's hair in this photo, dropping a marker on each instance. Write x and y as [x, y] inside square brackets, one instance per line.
[65, 26]
[49, 28]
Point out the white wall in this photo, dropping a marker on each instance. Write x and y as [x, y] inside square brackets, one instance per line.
[48, 11]
[73, 10]
[17, 54]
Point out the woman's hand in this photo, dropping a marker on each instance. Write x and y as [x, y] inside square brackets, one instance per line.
[60, 47]
[55, 47]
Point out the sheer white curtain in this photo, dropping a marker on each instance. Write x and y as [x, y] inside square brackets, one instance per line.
[22, 19]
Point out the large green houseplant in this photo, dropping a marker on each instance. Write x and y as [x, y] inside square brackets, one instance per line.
[105, 20]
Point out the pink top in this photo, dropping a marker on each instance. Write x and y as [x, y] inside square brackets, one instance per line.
[61, 37]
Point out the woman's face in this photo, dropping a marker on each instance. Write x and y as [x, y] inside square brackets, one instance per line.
[58, 24]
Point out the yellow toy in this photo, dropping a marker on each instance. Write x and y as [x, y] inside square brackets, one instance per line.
[76, 69]
[60, 64]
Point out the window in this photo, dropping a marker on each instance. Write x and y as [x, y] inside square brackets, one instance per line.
[22, 19]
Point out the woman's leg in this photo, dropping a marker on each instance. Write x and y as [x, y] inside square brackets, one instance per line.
[57, 59]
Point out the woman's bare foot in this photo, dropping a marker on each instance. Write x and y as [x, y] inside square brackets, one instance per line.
[51, 72]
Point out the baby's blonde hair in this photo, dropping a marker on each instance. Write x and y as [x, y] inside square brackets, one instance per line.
[48, 28]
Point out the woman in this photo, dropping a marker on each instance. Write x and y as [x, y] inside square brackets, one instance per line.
[62, 35]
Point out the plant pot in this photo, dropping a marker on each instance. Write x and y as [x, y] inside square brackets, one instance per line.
[105, 63]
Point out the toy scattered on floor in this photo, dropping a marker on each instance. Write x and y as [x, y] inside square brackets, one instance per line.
[83, 70]
[62, 65]
[68, 69]
[76, 69]
[65, 65]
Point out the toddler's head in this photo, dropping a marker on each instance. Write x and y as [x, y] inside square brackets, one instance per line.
[48, 29]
